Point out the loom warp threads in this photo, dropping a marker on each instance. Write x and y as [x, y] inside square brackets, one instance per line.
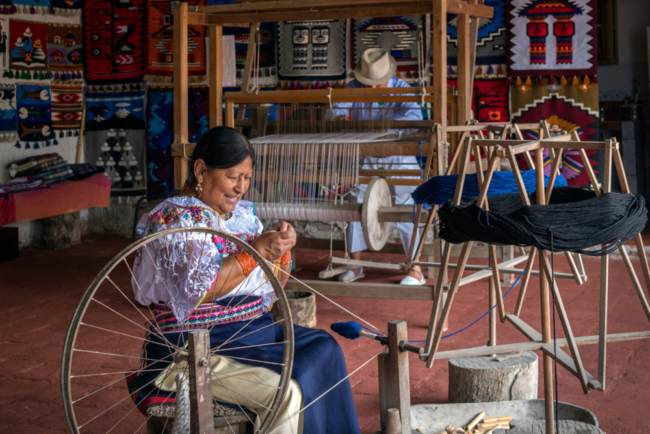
[440, 189]
[576, 220]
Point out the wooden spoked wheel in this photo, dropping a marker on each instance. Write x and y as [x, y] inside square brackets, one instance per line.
[375, 232]
[104, 346]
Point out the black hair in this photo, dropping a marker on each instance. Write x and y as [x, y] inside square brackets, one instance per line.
[220, 148]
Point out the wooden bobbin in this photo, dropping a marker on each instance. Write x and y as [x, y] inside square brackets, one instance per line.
[377, 196]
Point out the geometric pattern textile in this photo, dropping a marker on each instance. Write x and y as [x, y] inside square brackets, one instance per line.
[312, 50]
[67, 106]
[113, 35]
[28, 45]
[490, 100]
[64, 50]
[267, 59]
[34, 108]
[569, 108]
[552, 37]
[398, 35]
[115, 138]
[160, 134]
[160, 40]
[491, 45]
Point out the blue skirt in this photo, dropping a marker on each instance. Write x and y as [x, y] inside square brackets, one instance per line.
[317, 366]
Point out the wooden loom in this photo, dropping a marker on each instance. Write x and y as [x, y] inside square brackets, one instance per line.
[438, 95]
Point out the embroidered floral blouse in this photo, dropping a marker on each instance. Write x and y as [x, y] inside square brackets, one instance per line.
[179, 269]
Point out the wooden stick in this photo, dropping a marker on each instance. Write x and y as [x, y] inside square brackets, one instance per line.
[215, 79]
[81, 131]
[248, 68]
[564, 320]
[439, 287]
[554, 172]
[544, 301]
[604, 283]
[525, 280]
[439, 79]
[470, 426]
[180, 74]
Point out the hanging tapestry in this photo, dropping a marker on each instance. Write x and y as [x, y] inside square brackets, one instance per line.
[490, 100]
[552, 37]
[160, 134]
[34, 110]
[312, 50]
[160, 40]
[7, 113]
[67, 106]
[28, 48]
[490, 46]
[268, 72]
[64, 51]
[63, 8]
[113, 35]
[565, 108]
[4, 44]
[115, 137]
[397, 35]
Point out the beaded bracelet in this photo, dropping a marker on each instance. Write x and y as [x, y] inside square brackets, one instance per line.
[286, 259]
[247, 263]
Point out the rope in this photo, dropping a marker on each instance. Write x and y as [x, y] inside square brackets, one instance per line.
[440, 189]
[576, 219]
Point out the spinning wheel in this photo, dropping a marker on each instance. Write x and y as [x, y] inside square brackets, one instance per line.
[99, 357]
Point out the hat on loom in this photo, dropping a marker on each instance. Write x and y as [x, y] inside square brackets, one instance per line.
[376, 67]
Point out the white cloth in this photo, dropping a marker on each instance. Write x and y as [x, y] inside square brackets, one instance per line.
[401, 194]
[179, 269]
[236, 383]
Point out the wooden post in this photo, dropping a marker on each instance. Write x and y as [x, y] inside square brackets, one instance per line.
[80, 142]
[492, 340]
[248, 69]
[439, 42]
[546, 311]
[180, 91]
[464, 74]
[215, 81]
[201, 412]
[394, 388]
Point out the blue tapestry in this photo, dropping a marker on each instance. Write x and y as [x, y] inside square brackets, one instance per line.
[34, 108]
[491, 46]
[160, 134]
[7, 113]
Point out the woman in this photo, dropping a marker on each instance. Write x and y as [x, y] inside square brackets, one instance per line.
[199, 282]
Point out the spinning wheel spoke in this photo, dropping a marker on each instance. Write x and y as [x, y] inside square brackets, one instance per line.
[102, 342]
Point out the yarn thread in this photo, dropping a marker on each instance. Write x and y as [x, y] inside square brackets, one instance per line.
[440, 189]
[576, 220]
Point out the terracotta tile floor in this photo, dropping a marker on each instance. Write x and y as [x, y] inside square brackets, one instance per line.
[40, 290]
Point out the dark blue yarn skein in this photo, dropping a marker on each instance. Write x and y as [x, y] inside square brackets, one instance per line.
[348, 330]
[440, 189]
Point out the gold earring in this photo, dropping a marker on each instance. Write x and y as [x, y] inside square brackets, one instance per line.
[198, 189]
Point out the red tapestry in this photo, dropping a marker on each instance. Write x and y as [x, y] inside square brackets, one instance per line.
[113, 41]
[160, 40]
[490, 100]
[28, 45]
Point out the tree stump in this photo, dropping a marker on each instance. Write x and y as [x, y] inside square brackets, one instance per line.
[303, 308]
[485, 379]
[61, 231]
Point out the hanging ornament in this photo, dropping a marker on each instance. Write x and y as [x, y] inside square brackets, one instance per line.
[490, 70]
[479, 71]
[508, 82]
[541, 80]
[500, 70]
[11, 74]
[575, 81]
[450, 70]
[518, 82]
[551, 81]
[563, 81]
[32, 10]
[587, 82]
[529, 82]
[595, 80]
[52, 10]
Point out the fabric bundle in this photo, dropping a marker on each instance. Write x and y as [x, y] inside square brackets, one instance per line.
[47, 168]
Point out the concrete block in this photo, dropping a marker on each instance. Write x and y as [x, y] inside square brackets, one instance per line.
[629, 163]
[627, 129]
[485, 379]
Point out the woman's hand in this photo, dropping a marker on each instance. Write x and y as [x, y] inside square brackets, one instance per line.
[272, 245]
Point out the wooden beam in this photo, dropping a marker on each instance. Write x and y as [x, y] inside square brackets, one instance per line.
[180, 74]
[269, 11]
[363, 290]
[301, 97]
[464, 75]
[439, 80]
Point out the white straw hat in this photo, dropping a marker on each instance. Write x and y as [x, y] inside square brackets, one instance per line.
[376, 67]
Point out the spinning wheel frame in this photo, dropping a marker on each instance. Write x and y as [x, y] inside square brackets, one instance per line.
[79, 315]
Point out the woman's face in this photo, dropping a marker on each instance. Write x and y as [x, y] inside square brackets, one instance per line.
[223, 188]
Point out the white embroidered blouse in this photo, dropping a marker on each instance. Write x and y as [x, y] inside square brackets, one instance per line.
[179, 269]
